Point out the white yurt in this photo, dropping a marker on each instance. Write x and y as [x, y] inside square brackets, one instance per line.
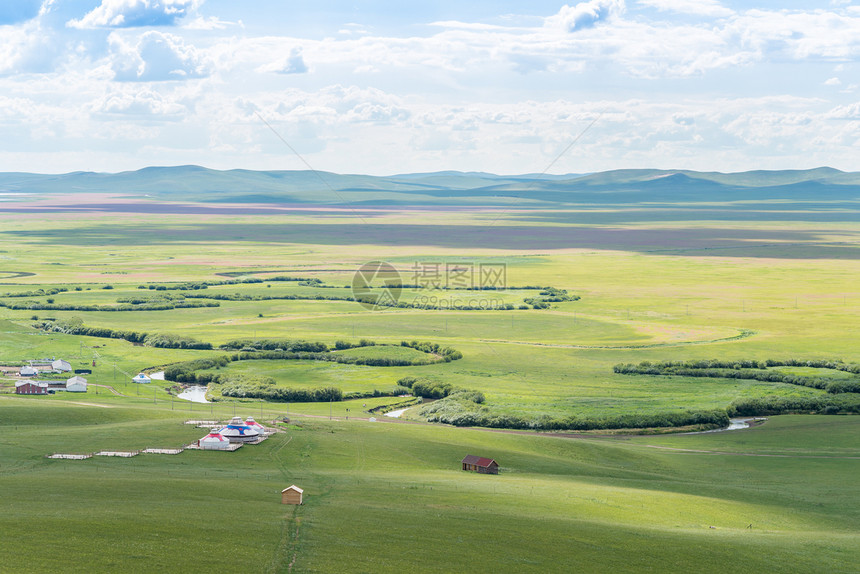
[141, 378]
[76, 385]
[214, 441]
[255, 425]
[238, 431]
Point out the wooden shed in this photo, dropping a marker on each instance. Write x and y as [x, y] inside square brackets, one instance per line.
[480, 464]
[291, 495]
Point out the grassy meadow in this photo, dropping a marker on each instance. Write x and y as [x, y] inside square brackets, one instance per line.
[388, 496]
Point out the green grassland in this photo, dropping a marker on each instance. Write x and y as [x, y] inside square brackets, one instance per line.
[537, 362]
[388, 496]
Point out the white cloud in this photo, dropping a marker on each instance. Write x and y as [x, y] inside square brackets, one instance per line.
[797, 35]
[585, 14]
[848, 112]
[466, 95]
[634, 46]
[711, 8]
[155, 56]
[832, 82]
[27, 47]
[294, 63]
[139, 102]
[134, 13]
[210, 23]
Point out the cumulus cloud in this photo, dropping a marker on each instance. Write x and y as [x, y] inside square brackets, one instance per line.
[294, 63]
[134, 13]
[585, 14]
[454, 88]
[28, 47]
[848, 112]
[155, 56]
[140, 103]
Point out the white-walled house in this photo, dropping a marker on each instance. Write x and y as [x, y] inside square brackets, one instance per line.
[76, 385]
[141, 378]
[61, 366]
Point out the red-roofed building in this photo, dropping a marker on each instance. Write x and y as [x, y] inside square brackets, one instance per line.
[480, 464]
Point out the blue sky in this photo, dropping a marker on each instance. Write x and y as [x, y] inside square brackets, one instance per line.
[392, 87]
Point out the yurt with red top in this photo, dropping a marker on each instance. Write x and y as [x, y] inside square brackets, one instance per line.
[214, 441]
[255, 425]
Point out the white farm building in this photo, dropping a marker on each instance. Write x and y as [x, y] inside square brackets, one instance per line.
[61, 366]
[76, 385]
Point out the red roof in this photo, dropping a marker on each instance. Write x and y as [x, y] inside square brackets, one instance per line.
[479, 461]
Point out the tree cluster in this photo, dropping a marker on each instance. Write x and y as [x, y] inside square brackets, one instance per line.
[280, 394]
[752, 370]
[766, 406]
[37, 292]
[153, 306]
[459, 410]
[75, 326]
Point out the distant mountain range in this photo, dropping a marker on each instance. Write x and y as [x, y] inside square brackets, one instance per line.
[633, 186]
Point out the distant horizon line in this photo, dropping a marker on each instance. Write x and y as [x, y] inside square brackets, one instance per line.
[431, 173]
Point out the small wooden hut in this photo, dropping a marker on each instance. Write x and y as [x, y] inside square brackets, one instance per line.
[291, 495]
[480, 464]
